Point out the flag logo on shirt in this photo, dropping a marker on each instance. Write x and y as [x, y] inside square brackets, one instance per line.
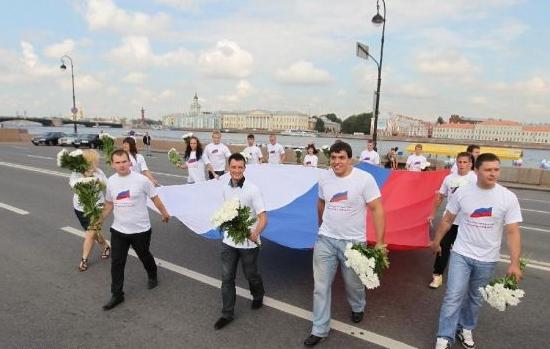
[482, 212]
[308, 163]
[190, 161]
[272, 152]
[367, 158]
[342, 196]
[214, 151]
[417, 162]
[123, 195]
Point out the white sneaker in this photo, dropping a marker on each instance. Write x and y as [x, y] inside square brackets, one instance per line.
[437, 280]
[466, 338]
[442, 343]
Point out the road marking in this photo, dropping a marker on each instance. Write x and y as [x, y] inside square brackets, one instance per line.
[530, 263]
[534, 200]
[535, 229]
[353, 331]
[34, 169]
[170, 175]
[529, 260]
[13, 209]
[536, 211]
[41, 157]
[17, 147]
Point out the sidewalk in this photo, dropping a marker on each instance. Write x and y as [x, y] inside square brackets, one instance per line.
[511, 185]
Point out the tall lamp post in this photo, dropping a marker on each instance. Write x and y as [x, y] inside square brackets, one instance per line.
[363, 52]
[64, 67]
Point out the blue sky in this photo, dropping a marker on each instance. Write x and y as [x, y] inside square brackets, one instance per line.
[479, 59]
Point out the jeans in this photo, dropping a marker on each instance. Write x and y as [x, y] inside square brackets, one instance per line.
[148, 149]
[447, 242]
[326, 255]
[249, 262]
[120, 244]
[462, 301]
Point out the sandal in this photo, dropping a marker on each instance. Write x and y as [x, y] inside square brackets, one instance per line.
[106, 252]
[83, 266]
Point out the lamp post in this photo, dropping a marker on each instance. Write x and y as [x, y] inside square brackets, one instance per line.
[363, 52]
[64, 67]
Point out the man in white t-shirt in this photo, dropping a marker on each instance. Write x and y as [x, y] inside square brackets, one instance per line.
[345, 194]
[253, 151]
[217, 153]
[275, 151]
[126, 195]
[416, 162]
[370, 155]
[248, 251]
[471, 149]
[485, 211]
[450, 185]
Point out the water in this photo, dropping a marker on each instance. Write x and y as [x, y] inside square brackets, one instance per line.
[531, 157]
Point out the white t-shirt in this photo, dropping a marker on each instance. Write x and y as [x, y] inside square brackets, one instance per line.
[311, 160]
[416, 163]
[129, 196]
[255, 154]
[217, 153]
[77, 175]
[196, 168]
[274, 152]
[371, 157]
[454, 168]
[345, 214]
[483, 214]
[249, 196]
[452, 182]
[138, 163]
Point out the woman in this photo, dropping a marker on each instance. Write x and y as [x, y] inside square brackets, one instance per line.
[194, 161]
[311, 160]
[92, 158]
[392, 159]
[138, 162]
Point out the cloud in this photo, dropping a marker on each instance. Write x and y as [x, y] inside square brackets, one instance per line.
[136, 51]
[183, 5]
[226, 61]
[59, 49]
[32, 63]
[303, 73]
[243, 90]
[446, 64]
[134, 78]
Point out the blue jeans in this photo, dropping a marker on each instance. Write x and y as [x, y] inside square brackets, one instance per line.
[326, 255]
[462, 301]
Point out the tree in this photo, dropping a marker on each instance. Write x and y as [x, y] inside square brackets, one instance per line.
[357, 123]
[332, 117]
[319, 125]
[440, 120]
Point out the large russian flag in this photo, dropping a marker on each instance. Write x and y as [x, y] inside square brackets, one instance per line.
[290, 195]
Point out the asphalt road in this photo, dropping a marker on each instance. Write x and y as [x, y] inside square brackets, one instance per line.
[47, 303]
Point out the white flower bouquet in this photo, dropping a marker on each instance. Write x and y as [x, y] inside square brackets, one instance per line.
[73, 161]
[88, 190]
[234, 219]
[503, 292]
[367, 262]
[187, 135]
[108, 145]
[174, 157]
[298, 153]
[246, 156]
[326, 151]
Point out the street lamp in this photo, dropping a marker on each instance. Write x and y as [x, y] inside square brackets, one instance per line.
[64, 67]
[363, 52]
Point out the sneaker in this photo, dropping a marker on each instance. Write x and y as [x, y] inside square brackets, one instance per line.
[437, 280]
[313, 340]
[442, 343]
[466, 338]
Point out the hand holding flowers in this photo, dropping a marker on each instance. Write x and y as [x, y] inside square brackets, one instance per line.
[503, 292]
[174, 157]
[234, 220]
[367, 262]
[73, 161]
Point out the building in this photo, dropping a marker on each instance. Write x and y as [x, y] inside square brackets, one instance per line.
[331, 126]
[264, 120]
[194, 119]
[402, 125]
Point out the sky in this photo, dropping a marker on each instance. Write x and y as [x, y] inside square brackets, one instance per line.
[479, 59]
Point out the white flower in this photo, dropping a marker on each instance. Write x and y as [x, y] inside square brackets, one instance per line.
[187, 135]
[226, 213]
[426, 165]
[298, 151]
[246, 156]
[458, 182]
[60, 156]
[76, 153]
[499, 297]
[105, 135]
[325, 147]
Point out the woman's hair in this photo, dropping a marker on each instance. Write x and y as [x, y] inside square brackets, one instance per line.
[91, 156]
[315, 151]
[132, 143]
[198, 151]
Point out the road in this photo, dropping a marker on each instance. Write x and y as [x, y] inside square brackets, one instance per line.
[46, 303]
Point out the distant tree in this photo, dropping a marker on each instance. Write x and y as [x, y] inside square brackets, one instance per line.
[440, 120]
[332, 117]
[319, 125]
[357, 123]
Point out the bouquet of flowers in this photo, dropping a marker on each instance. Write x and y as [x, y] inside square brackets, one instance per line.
[246, 156]
[298, 153]
[108, 144]
[234, 219]
[174, 157]
[187, 135]
[88, 190]
[367, 262]
[503, 292]
[326, 152]
[73, 161]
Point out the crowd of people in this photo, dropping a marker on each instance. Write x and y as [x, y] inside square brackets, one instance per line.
[468, 238]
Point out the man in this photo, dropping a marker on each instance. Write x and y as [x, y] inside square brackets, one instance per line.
[449, 186]
[253, 150]
[126, 195]
[471, 149]
[345, 193]
[370, 155]
[216, 153]
[248, 251]
[485, 210]
[147, 143]
[416, 162]
[275, 151]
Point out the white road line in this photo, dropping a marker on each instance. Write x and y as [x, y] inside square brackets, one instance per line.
[20, 148]
[534, 200]
[40, 157]
[536, 211]
[13, 209]
[535, 229]
[529, 260]
[169, 175]
[530, 265]
[34, 169]
[353, 331]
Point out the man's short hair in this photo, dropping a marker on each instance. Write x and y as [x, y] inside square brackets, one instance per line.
[339, 146]
[471, 148]
[119, 152]
[464, 154]
[418, 146]
[250, 136]
[485, 157]
[370, 141]
[216, 132]
[236, 157]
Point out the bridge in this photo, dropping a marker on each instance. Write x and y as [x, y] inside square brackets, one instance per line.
[62, 121]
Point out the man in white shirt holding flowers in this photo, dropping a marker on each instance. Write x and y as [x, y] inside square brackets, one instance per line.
[248, 251]
[345, 193]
